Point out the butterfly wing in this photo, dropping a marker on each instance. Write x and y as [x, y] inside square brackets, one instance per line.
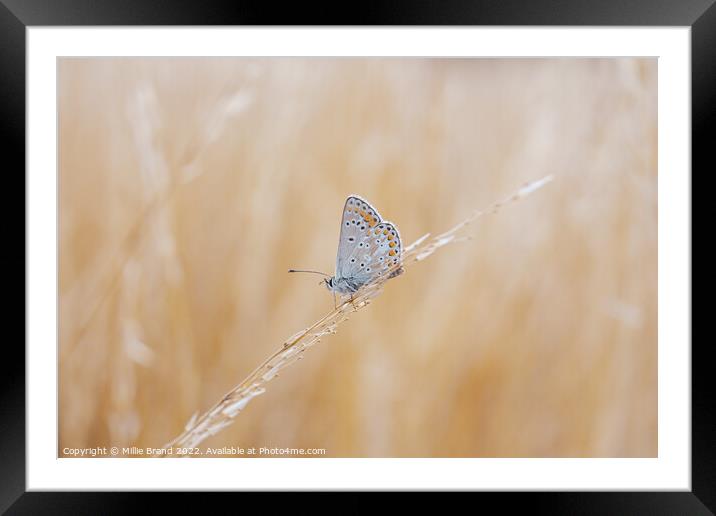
[368, 245]
[382, 250]
[358, 218]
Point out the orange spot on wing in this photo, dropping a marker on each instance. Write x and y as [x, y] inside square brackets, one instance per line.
[392, 252]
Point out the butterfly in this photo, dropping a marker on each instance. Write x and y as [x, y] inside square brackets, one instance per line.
[369, 248]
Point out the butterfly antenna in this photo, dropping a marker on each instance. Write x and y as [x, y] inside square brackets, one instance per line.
[312, 272]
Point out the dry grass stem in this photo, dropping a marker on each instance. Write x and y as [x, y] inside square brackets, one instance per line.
[222, 414]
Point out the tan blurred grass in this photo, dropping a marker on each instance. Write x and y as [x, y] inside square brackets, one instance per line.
[189, 186]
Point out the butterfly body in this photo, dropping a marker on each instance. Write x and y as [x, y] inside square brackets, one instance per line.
[342, 285]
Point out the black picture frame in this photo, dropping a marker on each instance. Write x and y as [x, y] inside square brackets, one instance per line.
[17, 15]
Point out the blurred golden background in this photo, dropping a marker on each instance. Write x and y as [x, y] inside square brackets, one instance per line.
[188, 187]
